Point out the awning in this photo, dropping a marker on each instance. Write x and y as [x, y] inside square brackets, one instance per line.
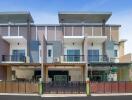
[83, 17]
[15, 17]
[111, 64]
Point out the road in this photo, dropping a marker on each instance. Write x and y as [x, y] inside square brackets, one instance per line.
[65, 98]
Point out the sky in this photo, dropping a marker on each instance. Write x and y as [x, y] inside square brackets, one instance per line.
[45, 12]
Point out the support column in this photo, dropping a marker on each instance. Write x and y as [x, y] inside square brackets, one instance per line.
[85, 58]
[8, 73]
[46, 75]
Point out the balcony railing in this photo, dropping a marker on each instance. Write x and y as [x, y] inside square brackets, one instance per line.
[98, 58]
[73, 58]
[13, 58]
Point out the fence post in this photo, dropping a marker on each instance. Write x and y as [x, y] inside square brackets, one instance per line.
[87, 87]
[41, 86]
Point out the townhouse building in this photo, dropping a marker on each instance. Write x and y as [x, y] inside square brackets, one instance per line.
[81, 46]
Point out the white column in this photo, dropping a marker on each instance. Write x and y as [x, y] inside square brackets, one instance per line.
[64, 29]
[18, 31]
[101, 31]
[110, 33]
[92, 31]
[83, 30]
[9, 29]
[72, 30]
[36, 33]
[46, 32]
[55, 33]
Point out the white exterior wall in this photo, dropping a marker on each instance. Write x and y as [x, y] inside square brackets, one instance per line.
[70, 46]
[75, 75]
[18, 47]
[75, 72]
[25, 73]
[95, 46]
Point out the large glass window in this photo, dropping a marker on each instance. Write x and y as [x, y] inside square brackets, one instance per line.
[49, 53]
[115, 53]
[18, 55]
[73, 55]
[93, 55]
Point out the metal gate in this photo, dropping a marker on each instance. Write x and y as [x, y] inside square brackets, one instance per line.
[65, 88]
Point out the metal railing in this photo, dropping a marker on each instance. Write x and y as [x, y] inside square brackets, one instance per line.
[98, 58]
[65, 88]
[14, 58]
[73, 58]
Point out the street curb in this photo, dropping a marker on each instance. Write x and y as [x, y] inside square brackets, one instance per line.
[64, 95]
[19, 94]
[112, 94]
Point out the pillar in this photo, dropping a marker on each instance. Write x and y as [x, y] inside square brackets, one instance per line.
[85, 58]
[8, 73]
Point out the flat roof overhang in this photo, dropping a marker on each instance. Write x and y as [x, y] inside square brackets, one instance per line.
[20, 64]
[16, 17]
[83, 17]
[14, 39]
[96, 39]
[108, 64]
[64, 64]
[73, 39]
[44, 64]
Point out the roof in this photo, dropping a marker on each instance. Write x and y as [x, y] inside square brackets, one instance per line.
[15, 17]
[83, 17]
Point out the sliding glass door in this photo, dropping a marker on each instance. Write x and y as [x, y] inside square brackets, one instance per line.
[93, 55]
[73, 55]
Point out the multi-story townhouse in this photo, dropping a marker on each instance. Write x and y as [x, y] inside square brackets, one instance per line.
[81, 46]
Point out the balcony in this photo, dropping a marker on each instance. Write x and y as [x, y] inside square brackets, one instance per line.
[73, 58]
[13, 58]
[97, 58]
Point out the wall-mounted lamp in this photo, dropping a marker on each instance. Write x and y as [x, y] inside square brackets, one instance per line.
[92, 44]
[73, 43]
[18, 43]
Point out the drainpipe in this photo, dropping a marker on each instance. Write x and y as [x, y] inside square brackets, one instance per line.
[28, 38]
[41, 81]
[62, 46]
[103, 34]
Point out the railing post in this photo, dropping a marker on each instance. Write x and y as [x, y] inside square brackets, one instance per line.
[87, 87]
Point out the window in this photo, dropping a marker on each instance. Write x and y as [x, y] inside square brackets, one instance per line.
[18, 55]
[93, 55]
[18, 52]
[73, 55]
[49, 53]
[115, 53]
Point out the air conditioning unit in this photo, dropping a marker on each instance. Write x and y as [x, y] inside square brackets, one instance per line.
[56, 60]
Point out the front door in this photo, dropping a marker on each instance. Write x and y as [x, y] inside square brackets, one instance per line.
[49, 53]
[60, 78]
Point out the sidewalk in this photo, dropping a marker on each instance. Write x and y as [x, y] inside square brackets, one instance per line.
[67, 95]
[113, 94]
[63, 95]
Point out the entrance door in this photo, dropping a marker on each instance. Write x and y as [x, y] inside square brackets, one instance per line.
[60, 78]
[49, 53]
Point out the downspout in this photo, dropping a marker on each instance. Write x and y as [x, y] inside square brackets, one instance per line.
[28, 38]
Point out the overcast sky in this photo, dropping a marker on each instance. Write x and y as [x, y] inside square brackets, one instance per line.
[45, 12]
